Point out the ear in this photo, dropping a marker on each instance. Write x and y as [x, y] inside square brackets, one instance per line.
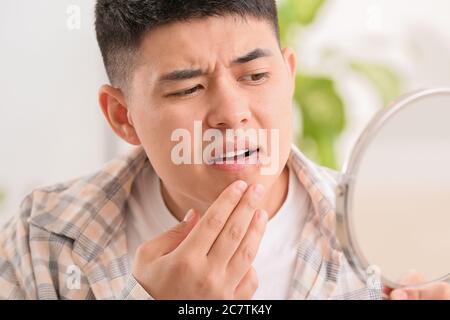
[116, 112]
[291, 63]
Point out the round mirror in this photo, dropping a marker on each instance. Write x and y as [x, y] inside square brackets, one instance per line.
[393, 202]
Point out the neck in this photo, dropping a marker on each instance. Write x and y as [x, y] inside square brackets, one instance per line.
[272, 202]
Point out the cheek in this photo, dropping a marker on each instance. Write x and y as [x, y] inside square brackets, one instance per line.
[155, 126]
[274, 109]
[276, 112]
[155, 131]
[276, 97]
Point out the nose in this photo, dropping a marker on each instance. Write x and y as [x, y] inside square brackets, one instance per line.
[229, 109]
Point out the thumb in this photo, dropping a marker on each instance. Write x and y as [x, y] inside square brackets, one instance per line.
[171, 239]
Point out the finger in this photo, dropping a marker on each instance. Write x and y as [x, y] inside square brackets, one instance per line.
[387, 292]
[246, 252]
[398, 294]
[171, 239]
[248, 286]
[210, 225]
[236, 227]
[433, 291]
[411, 278]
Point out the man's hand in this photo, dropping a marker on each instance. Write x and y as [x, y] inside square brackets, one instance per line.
[207, 258]
[412, 291]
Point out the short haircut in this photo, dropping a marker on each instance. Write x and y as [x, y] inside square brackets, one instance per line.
[122, 24]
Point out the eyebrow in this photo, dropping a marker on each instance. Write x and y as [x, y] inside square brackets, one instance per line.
[179, 75]
[253, 55]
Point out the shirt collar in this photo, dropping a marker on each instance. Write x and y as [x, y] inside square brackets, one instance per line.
[91, 208]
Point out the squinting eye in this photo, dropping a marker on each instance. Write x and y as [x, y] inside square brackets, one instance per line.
[187, 92]
[257, 77]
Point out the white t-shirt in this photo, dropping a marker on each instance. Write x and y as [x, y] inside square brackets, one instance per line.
[147, 217]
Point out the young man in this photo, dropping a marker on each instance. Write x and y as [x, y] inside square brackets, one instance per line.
[193, 66]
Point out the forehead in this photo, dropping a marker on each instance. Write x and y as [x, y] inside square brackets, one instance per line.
[205, 41]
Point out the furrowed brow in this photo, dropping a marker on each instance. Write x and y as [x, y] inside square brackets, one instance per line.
[253, 55]
[179, 75]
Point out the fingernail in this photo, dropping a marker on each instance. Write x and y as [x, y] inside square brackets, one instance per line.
[399, 295]
[189, 215]
[241, 186]
[258, 191]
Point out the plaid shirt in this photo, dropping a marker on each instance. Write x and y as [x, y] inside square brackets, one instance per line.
[78, 229]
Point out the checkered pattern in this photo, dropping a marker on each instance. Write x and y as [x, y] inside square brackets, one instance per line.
[80, 224]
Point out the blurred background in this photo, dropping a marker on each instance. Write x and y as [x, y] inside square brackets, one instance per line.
[354, 56]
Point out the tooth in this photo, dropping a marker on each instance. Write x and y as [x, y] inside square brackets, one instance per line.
[229, 154]
[242, 152]
[234, 154]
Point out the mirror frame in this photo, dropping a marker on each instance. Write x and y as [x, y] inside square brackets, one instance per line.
[345, 186]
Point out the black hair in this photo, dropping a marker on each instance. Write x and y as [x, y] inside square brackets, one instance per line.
[122, 24]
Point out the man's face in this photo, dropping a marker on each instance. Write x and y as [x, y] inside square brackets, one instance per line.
[233, 76]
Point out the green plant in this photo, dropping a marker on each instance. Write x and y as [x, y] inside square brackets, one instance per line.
[321, 106]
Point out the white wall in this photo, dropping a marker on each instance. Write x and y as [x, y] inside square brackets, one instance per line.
[51, 128]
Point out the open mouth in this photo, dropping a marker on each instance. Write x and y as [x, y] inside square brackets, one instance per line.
[236, 156]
